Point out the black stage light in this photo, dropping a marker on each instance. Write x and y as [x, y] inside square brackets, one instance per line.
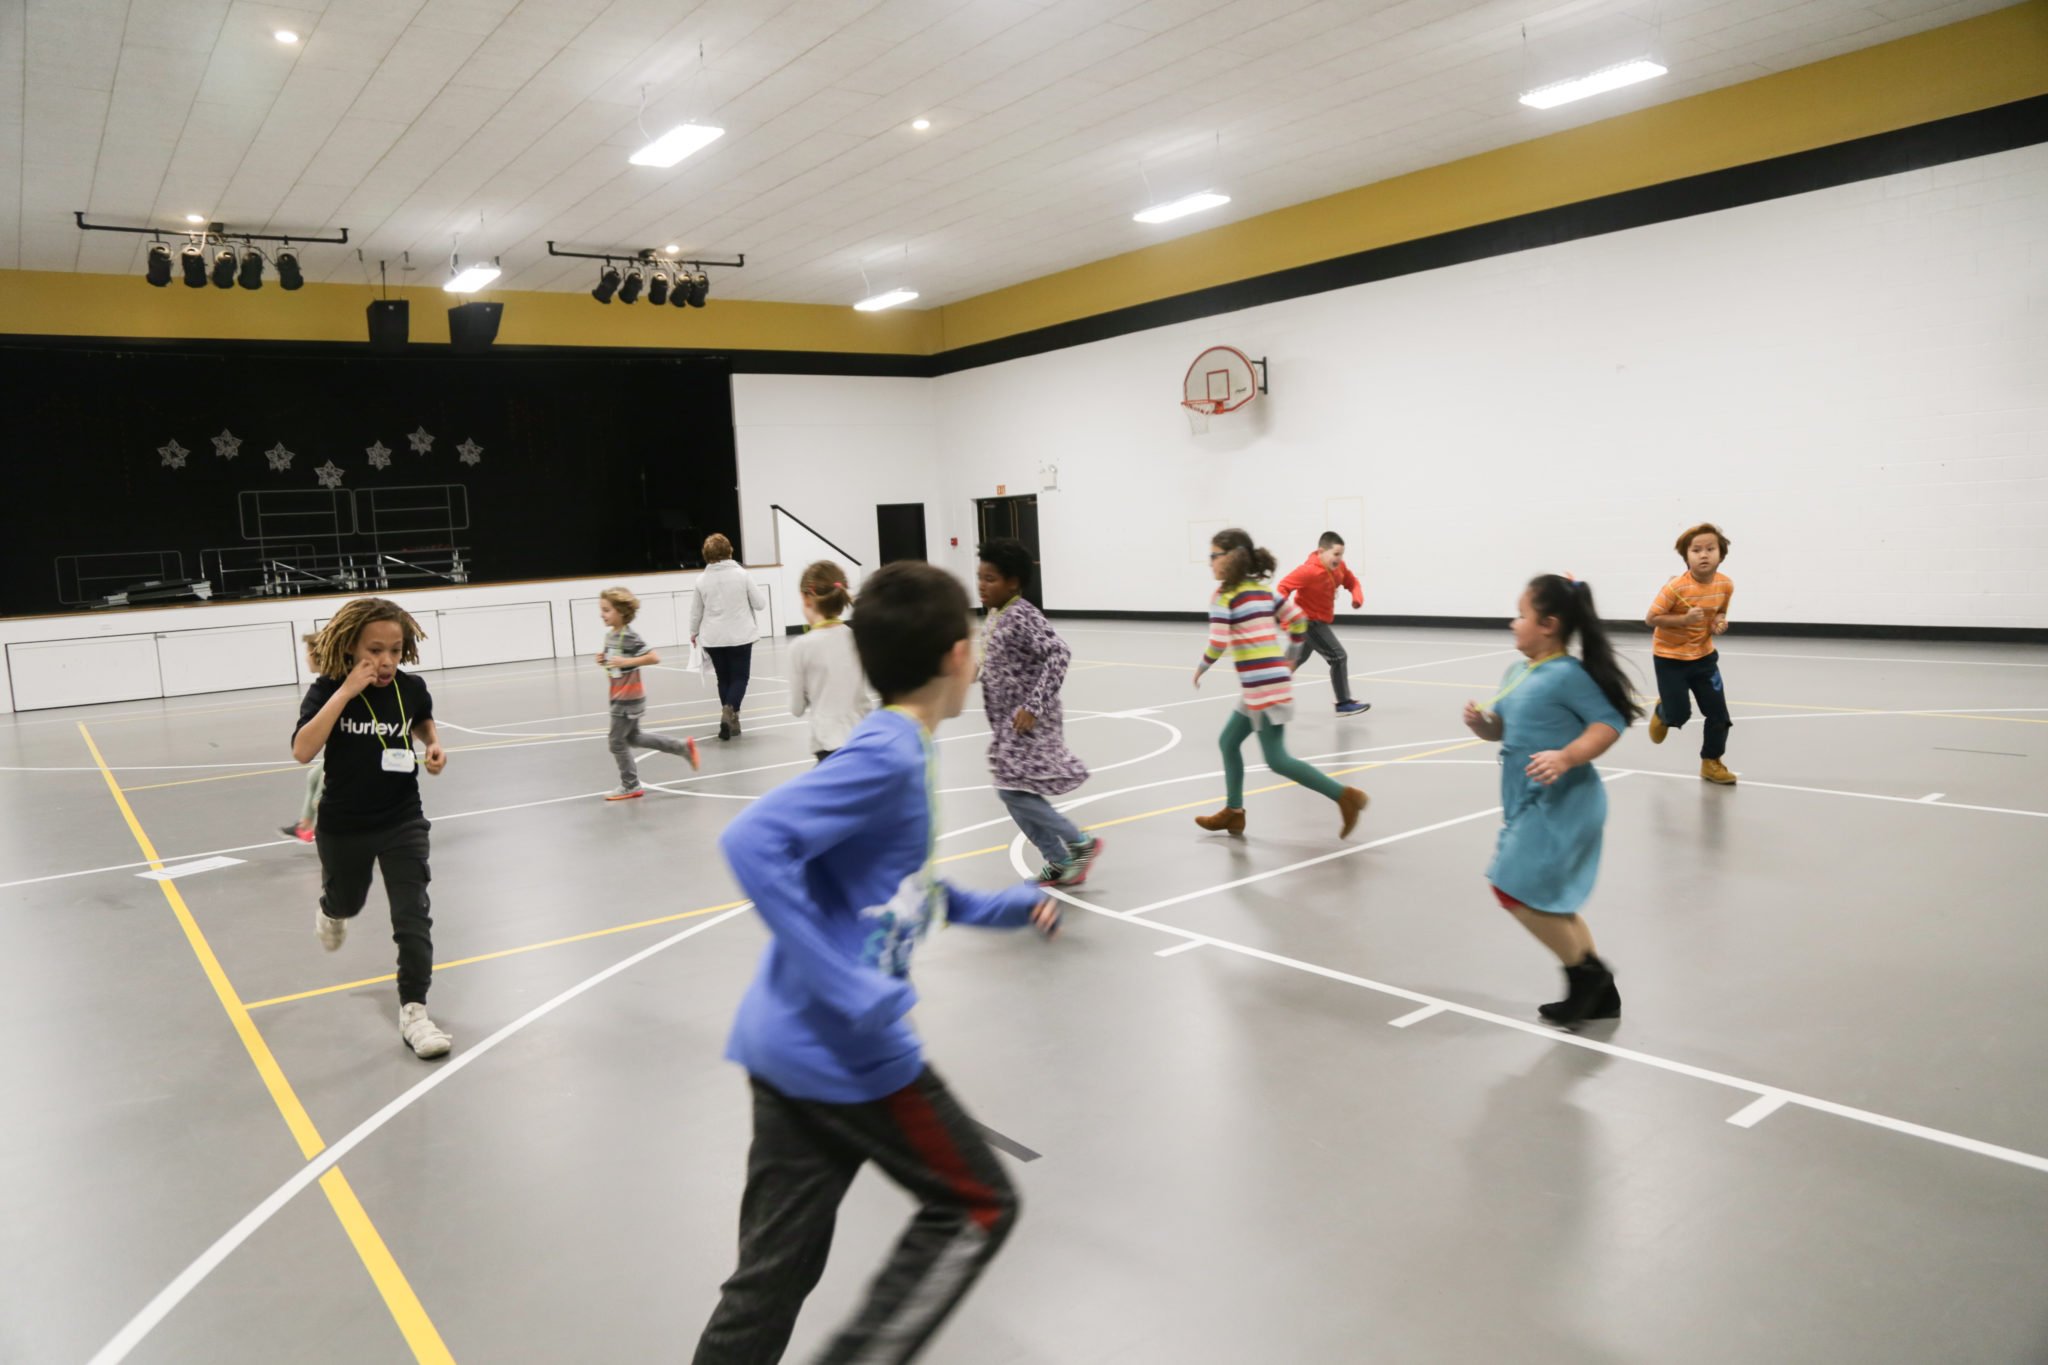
[679, 292]
[252, 269]
[607, 284]
[159, 272]
[224, 269]
[700, 289]
[288, 274]
[193, 260]
[629, 292]
[657, 289]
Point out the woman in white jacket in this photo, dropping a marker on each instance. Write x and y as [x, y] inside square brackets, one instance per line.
[722, 622]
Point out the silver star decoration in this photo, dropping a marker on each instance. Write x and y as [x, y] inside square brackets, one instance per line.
[380, 455]
[174, 454]
[422, 442]
[329, 475]
[227, 445]
[469, 452]
[279, 457]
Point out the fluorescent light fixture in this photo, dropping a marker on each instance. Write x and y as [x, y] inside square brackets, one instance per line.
[195, 217]
[875, 303]
[675, 144]
[471, 279]
[921, 124]
[1605, 79]
[1181, 208]
[285, 35]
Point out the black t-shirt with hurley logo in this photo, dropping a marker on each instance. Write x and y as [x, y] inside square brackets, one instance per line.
[360, 795]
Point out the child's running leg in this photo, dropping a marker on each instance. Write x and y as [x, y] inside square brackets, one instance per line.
[668, 744]
[316, 782]
[797, 1174]
[927, 1144]
[1051, 833]
[402, 858]
[1673, 706]
[624, 723]
[1590, 992]
[1230, 820]
[1273, 744]
[1705, 683]
[346, 864]
[1322, 638]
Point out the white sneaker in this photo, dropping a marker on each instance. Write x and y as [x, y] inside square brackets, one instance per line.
[332, 931]
[422, 1034]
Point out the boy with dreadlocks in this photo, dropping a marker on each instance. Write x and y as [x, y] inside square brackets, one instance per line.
[362, 715]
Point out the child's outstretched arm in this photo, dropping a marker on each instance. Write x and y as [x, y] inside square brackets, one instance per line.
[768, 846]
[1011, 908]
[1351, 584]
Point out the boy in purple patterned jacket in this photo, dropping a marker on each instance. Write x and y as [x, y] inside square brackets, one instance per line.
[1023, 665]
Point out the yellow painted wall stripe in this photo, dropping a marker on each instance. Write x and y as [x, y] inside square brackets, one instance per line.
[404, 1305]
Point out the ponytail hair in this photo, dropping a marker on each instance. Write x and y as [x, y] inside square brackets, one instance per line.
[1243, 559]
[1571, 603]
[825, 584]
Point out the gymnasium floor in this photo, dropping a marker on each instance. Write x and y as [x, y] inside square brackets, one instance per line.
[1286, 1099]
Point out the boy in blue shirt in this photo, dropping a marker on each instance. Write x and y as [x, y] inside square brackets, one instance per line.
[839, 862]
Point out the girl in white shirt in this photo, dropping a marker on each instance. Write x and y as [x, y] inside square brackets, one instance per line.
[825, 678]
[722, 622]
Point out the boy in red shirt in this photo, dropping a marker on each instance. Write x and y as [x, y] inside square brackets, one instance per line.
[1313, 587]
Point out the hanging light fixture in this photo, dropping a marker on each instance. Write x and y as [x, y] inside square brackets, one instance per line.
[289, 276]
[252, 269]
[192, 260]
[607, 284]
[224, 269]
[700, 289]
[657, 288]
[629, 292]
[158, 272]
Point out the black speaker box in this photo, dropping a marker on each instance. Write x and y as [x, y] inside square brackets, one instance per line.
[390, 321]
[474, 326]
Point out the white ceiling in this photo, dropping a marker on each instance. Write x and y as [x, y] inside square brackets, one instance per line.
[509, 121]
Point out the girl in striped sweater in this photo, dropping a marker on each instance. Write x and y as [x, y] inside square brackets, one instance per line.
[1246, 620]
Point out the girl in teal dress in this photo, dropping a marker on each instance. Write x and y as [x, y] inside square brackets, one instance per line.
[1552, 717]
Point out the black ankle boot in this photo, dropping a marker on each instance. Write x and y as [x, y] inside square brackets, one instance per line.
[1608, 1006]
[1587, 986]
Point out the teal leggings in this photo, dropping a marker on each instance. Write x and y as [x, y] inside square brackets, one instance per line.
[1273, 744]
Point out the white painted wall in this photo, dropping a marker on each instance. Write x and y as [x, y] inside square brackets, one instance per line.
[831, 449]
[1853, 382]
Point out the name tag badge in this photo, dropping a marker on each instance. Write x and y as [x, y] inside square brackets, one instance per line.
[400, 760]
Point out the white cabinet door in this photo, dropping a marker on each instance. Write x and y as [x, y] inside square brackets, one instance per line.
[50, 673]
[496, 635]
[226, 658]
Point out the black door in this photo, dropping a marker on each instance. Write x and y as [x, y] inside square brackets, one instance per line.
[899, 530]
[1015, 519]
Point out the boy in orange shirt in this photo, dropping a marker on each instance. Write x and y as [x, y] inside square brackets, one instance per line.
[1689, 612]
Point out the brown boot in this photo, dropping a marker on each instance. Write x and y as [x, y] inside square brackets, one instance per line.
[1350, 804]
[1714, 770]
[1229, 820]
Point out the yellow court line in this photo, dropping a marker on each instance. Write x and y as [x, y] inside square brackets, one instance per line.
[502, 952]
[404, 1305]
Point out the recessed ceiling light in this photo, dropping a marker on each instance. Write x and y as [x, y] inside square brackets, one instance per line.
[1181, 208]
[672, 248]
[921, 124]
[195, 217]
[1600, 82]
[285, 35]
[675, 144]
[877, 302]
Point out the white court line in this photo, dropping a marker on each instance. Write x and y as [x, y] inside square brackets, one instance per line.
[1838, 715]
[136, 1328]
[2029, 1160]
[173, 871]
[1306, 862]
[1931, 798]
[1758, 1109]
[1416, 1016]
[1179, 948]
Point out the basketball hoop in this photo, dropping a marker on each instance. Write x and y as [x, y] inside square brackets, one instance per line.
[1222, 379]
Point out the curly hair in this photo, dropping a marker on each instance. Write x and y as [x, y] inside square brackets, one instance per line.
[1007, 557]
[334, 644]
[623, 602]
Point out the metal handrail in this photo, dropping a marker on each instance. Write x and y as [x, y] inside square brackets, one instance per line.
[778, 507]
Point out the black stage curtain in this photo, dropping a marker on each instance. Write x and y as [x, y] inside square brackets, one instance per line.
[569, 464]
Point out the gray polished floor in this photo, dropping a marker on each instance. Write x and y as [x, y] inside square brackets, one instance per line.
[1289, 1106]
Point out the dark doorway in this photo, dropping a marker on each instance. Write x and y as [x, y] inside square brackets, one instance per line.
[899, 530]
[1016, 519]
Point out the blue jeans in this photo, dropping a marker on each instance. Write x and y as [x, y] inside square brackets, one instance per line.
[1701, 678]
[734, 665]
[1050, 832]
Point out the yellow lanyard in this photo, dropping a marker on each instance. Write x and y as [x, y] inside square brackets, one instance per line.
[377, 726]
[935, 903]
[1522, 677]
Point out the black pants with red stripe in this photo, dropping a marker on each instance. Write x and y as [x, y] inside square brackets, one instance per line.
[804, 1157]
